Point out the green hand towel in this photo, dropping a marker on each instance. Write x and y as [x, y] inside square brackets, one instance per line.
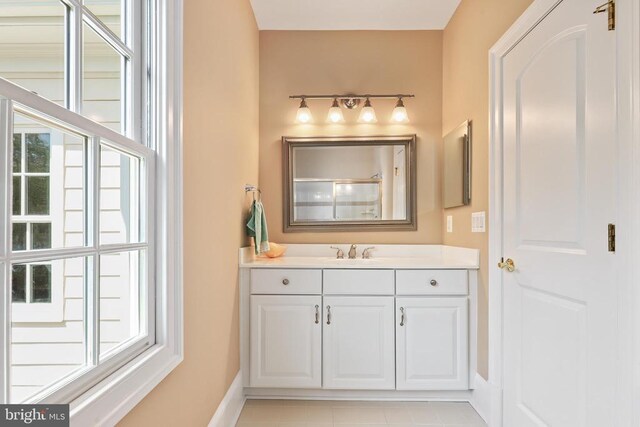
[257, 227]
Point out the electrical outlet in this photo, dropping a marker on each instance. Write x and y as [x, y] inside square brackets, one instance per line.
[449, 224]
[478, 222]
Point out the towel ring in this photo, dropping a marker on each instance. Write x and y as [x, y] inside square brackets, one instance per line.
[253, 189]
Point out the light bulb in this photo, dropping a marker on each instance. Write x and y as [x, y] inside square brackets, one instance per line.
[304, 113]
[399, 114]
[335, 113]
[368, 114]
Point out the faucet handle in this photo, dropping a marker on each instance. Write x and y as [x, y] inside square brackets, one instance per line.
[340, 253]
[352, 252]
[366, 253]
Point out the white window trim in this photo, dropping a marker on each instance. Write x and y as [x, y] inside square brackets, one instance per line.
[112, 398]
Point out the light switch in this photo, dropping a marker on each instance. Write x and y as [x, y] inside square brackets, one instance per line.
[478, 222]
[449, 223]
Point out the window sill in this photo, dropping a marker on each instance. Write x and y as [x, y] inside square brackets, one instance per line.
[111, 399]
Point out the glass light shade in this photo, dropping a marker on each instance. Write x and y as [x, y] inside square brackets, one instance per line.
[368, 114]
[335, 113]
[303, 115]
[399, 114]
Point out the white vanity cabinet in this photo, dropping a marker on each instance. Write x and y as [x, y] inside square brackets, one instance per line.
[315, 328]
[432, 339]
[286, 328]
[358, 334]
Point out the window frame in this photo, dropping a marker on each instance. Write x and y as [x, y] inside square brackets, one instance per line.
[124, 382]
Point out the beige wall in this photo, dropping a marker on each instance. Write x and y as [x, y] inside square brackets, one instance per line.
[220, 156]
[474, 28]
[303, 62]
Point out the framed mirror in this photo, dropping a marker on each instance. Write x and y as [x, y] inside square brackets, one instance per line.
[456, 181]
[349, 183]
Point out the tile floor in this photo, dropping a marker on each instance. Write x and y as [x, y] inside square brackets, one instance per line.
[316, 413]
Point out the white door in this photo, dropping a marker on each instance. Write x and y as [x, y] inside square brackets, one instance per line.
[286, 341]
[559, 196]
[359, 346]
[432, 343]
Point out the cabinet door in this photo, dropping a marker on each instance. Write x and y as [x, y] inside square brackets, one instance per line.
[286, 341]
[358, 343]
[432, 343]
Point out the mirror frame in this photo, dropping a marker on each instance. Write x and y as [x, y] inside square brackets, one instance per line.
[290, 226]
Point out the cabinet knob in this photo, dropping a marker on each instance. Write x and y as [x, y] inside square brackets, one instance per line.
[433, 282]
[285, 282]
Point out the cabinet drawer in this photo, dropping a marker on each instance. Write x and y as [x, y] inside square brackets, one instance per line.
[297, 282]
[358, 282]
[431, 282]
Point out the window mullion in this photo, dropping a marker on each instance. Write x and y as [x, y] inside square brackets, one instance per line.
[5, 269]
[92, 300]
[74, 46]
[6, 160]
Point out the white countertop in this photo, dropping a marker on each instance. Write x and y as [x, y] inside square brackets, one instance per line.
[383, 257]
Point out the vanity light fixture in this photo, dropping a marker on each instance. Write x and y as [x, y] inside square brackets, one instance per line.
[368, 114]
[335, 113]
[304, 113]
[351, 102]
[399, 114]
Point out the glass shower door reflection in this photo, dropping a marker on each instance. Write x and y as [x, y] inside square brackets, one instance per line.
[358, 201]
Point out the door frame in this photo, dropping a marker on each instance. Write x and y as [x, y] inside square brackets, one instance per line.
[628, 200]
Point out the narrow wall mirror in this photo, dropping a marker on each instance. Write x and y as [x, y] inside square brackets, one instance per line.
[349, 183]
[456, 181]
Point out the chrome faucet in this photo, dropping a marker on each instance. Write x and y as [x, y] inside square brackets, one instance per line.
[339, 254]
[352, 252]
[366, 254]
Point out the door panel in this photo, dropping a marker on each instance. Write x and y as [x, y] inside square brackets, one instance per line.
[359, 343]
[550, 90]
[286, 341]
[559, 195]
[431, 343]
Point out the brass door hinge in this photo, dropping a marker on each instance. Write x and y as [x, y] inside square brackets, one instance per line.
[612, 237]
[610, 8]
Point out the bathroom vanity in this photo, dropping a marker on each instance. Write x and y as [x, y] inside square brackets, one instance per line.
[400, 324]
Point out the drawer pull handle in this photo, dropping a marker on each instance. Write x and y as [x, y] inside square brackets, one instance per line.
[401, 316]
[317, 314]
[328, 315]
[433, 282]
[285, 282]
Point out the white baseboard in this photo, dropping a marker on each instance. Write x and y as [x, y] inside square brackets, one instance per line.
[481, 398]
[229, 409]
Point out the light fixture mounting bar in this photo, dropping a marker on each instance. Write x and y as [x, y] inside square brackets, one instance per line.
[342, 97]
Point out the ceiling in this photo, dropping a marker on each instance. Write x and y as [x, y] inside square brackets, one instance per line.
[353, 14]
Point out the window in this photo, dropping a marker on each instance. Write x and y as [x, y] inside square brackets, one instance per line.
[31, 207]
[90, 114]
[79, 259]
[77, 252]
